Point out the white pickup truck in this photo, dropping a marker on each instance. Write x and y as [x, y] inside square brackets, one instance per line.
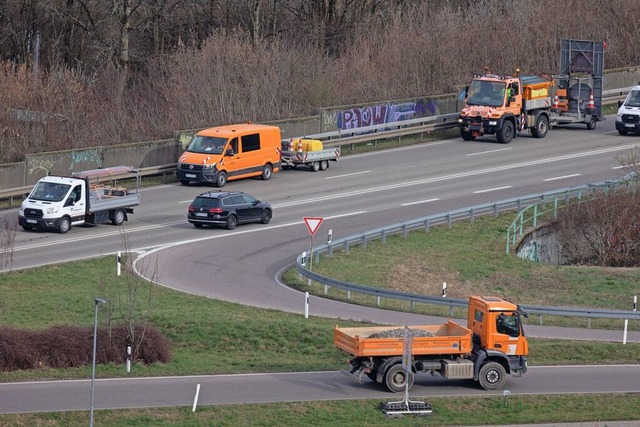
[58, 202]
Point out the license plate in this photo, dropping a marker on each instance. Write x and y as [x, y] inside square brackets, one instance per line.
[32, 221]
[190, 175]
[204, 214]
[629, 125]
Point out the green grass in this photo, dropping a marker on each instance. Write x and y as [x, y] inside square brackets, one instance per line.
[471, 259]
[449, 411]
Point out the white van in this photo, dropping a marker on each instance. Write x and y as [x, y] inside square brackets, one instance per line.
[628, 118]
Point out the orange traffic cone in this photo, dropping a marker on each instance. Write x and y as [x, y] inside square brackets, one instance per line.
[299, 153]
[591, 105]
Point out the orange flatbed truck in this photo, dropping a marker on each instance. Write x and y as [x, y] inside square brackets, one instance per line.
[492, 346]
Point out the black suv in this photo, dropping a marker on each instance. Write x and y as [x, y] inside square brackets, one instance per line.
[228, 209]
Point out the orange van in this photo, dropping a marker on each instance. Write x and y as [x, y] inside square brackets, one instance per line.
[230, 152]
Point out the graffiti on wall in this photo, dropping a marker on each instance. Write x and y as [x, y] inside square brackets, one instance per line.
[529, 251]
[40, 166]
[388, 112]
[91, 157]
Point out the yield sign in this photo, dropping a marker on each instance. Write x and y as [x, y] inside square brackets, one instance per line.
[313, 223]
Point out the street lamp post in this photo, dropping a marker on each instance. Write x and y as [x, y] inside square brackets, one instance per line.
[98, 301]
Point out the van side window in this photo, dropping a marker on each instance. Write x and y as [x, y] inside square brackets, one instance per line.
[250, 142]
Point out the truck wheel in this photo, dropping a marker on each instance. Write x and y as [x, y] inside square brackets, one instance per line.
[267, 171]
[184, 182]
[467, 136]
[231, 222]
[118, 217]
[505, 135]
[396, 377]
[591, 125]
[221, 180]
[542, 127]
[315, 166]
[266, 216]
[65, 225]
[324, 165]
[492, 376]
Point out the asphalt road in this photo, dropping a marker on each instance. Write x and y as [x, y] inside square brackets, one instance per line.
[358, 193]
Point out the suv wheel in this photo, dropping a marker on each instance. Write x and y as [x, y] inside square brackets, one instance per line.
[231, 222]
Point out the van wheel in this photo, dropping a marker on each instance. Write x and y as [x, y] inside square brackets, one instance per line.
[492, 376]
[197, 224]
[231, 222]
[65, 225]
[324, 165]
[27, 227]
[623, 131]
[118, 217]
[221, 180]
[315, 166]
[184, 182]
[396, 377]
[267, 171]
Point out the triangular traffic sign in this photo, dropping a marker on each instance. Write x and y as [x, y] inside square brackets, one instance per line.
[313, 223]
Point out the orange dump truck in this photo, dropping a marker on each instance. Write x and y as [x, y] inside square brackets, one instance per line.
[492, 346]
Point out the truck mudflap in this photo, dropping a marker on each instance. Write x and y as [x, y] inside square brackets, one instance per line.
[359, 369]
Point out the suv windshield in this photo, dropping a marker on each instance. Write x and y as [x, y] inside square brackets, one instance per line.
[205, 202]
[487, 93]
[207, 144]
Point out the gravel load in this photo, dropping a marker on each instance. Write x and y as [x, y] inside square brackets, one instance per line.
[399, 333]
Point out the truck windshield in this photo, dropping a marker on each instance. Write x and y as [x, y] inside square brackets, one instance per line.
[207, 144]
[634, 99]
[49, 191]
[486, 93]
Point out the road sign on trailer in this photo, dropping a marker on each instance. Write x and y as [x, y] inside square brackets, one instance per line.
[313, 223]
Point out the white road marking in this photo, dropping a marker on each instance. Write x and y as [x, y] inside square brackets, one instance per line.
[420, 201]
[348, 174]
[488, 152]
[562, 177]
[491, 189]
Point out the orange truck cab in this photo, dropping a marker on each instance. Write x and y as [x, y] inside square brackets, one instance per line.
[230, 152]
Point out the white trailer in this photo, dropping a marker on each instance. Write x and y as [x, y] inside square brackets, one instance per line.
[58, 202]
[309, 153]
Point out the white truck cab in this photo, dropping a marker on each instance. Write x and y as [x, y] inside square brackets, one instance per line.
[628, 118]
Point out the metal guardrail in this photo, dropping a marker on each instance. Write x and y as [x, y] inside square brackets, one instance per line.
[354, 136]
[423, 223]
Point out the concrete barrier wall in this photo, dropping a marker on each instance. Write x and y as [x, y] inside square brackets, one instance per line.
[155, 153]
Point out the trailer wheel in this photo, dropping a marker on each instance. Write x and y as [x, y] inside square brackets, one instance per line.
[505, 135]
[267, 171]
[324, 165]
[315, 166]
[492, 376]
[591, 124]
[542, 127]
[221, 179]
[231, 222]
[65, 225]
[396, 377]
[466, 135]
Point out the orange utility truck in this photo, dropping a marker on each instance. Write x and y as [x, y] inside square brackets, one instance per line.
[491, 346]
[223, 153]
[504, 105]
